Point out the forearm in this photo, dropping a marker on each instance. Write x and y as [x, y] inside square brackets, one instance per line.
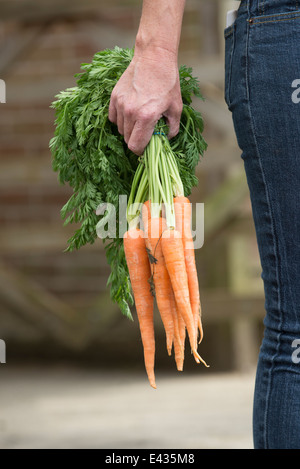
[150, 88]
[160, 27]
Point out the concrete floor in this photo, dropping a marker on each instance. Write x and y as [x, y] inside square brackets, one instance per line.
[69, 408]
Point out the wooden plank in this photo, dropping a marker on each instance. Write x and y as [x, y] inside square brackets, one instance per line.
[15, 46]
[245, 343]
[220, 305]
[42, 309]
[38, 237]
[31, 10]
[223, 205]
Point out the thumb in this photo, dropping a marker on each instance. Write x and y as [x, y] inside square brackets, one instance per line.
[173, 119]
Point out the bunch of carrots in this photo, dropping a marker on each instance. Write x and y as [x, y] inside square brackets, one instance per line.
[160, 255]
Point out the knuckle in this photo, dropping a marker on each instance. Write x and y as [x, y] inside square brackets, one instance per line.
[114, 96]
[117, 98]
[129, 110]
[146, 116]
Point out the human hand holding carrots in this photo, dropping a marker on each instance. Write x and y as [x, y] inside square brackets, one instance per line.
[165, 172]
[149, 89]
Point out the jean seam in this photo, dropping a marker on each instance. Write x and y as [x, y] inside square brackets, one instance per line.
[275, 245]
[229, 32]
[284, 13]
[231, 59]
[275, 21]
[275, 15]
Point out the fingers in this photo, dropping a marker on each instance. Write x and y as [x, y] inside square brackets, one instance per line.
[120, 122]
[112, 111]
[173, 116]
[115, 112]
[122, 116]
[173, 123]
[135, 125]
[141, 135]
[137, 128]
[130, 115]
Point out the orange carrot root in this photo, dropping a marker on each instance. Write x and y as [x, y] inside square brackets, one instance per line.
[162, 284]
[172, 248]
[139, 271]
[183, 208]
[179, 352]
[200, 328]
[161, 263]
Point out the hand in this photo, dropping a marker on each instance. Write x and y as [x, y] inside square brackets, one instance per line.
[148, 90]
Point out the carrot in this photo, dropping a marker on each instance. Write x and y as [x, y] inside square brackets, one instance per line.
[162, 301]
[140, 272]
[172, 248]
[182, 208]
[146, 216]
[161, 281]
[179, 344]
[165, 302]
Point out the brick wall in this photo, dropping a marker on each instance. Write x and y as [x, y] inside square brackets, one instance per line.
[32, 236]
[41, 50]
[40, 53]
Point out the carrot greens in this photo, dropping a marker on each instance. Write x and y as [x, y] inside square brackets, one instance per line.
[90, 155]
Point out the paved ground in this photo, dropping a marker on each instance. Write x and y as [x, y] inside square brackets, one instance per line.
[77, 409]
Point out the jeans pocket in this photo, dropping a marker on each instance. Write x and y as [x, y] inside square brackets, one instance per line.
[229, 34]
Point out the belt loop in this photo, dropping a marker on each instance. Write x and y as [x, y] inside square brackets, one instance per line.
[248, 8]
[261, 7]
[256, 7]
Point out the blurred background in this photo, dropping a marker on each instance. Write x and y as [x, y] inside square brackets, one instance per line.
[63, 335]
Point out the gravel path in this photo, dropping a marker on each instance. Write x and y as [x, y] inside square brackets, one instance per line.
[70, 408]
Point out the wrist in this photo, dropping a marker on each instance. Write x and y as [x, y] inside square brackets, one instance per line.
[158, 49]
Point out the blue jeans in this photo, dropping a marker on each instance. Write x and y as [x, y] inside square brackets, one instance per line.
[262, 90]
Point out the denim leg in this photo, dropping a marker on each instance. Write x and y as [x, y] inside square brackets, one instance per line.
[261, 83]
